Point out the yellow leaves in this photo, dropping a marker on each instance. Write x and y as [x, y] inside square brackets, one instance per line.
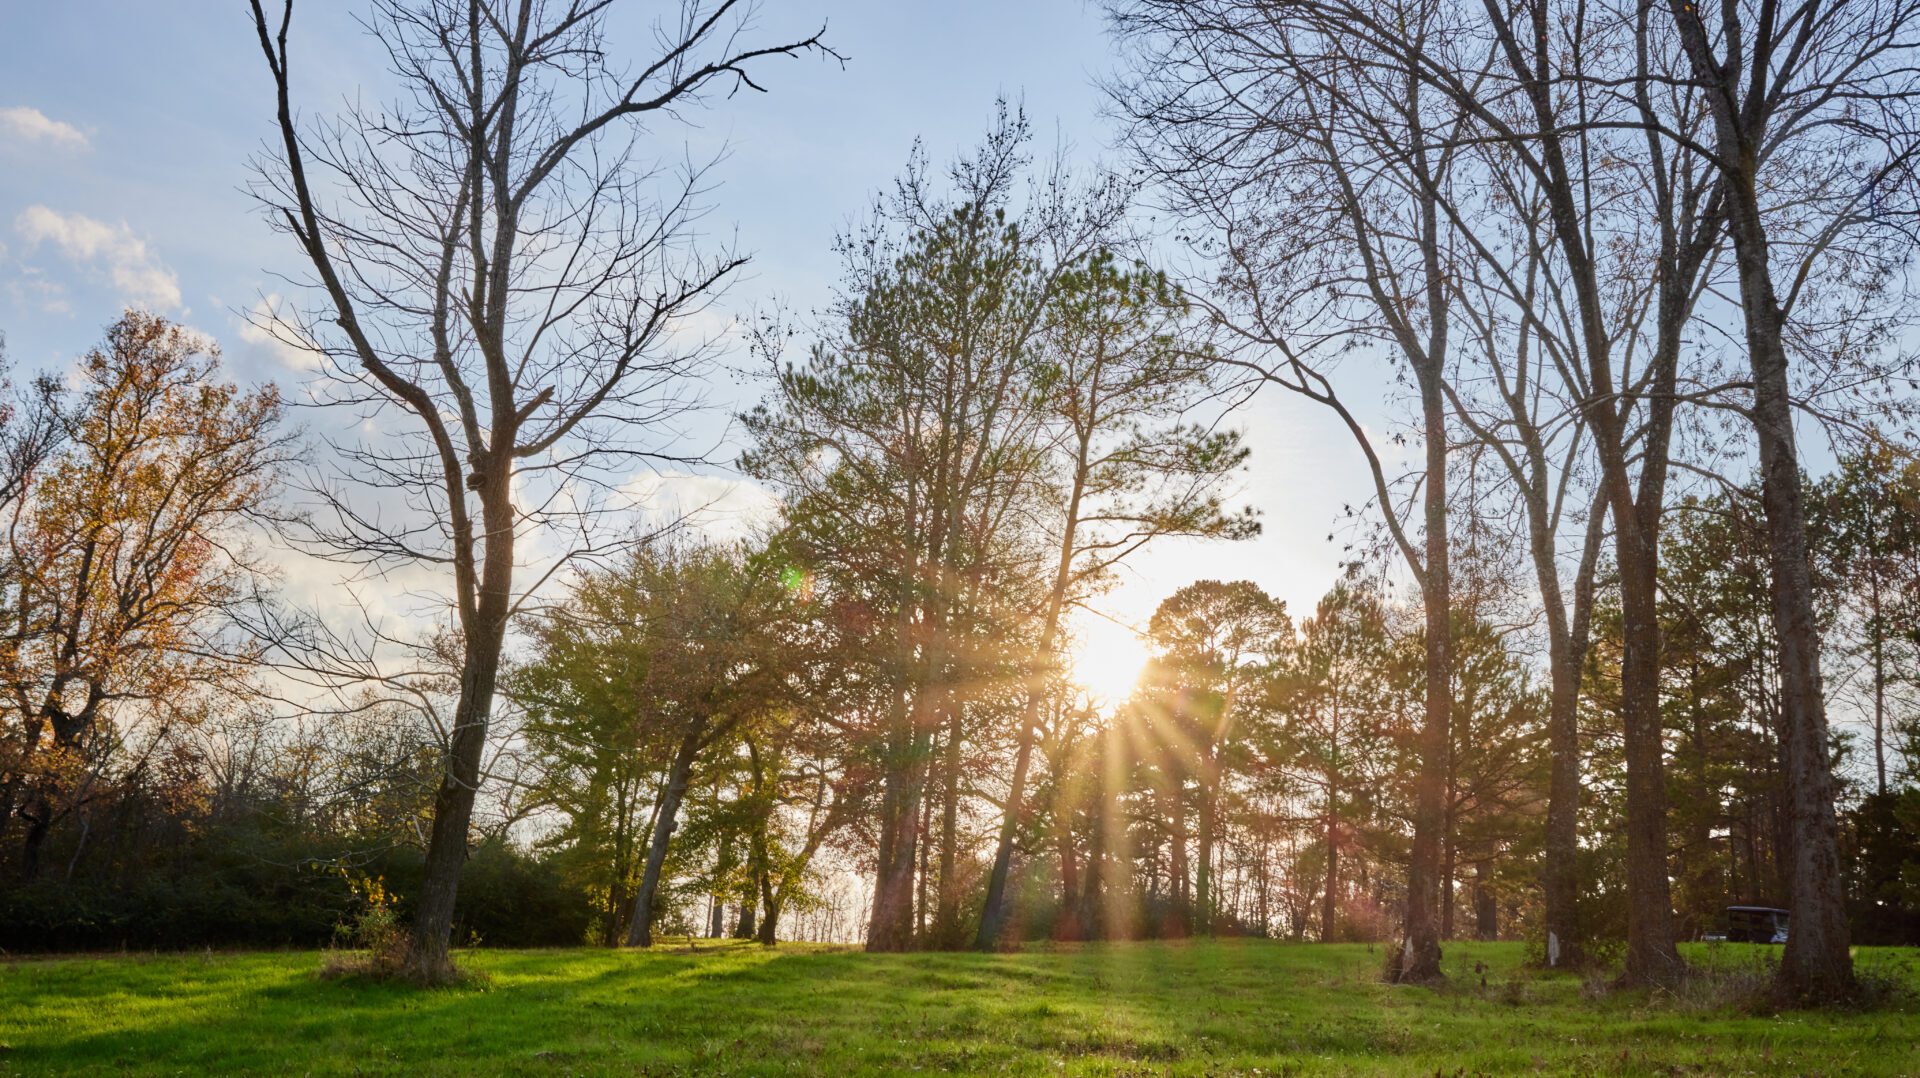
[130, 547]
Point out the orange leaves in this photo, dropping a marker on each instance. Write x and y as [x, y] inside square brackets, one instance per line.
[129, 550]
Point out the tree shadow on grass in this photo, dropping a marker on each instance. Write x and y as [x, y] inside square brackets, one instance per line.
[1227, 1006]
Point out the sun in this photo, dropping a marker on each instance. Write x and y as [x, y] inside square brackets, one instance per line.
[1106, 659]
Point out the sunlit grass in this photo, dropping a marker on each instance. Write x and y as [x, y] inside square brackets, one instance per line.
[1232, 1007]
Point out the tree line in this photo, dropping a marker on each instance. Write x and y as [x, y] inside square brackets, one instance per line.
[1610, 265]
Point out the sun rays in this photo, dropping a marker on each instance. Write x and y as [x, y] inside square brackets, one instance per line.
[1107, 658]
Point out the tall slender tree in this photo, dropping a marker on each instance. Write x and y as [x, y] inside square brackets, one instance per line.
[1129, 462]
[1321, 179]
[493, 268]
[1784, 86]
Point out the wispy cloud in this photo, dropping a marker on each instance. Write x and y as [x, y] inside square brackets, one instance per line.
[134, 269]
[268, 325]
[21, 123]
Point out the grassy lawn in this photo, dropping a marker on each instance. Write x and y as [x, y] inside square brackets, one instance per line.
[1232, 1007]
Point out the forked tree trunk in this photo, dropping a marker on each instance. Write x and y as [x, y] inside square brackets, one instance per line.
[768, 933]
[993, 911]
[1068, 927]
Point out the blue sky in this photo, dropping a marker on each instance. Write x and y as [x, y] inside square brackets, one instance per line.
[125, 127]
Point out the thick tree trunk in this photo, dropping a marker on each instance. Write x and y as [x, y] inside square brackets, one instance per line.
[485, 631]
[1417, 960]
[891, 926]
[429, 959]
[1652, 958]
[1559, 871]
[1486, 911]
[666, 820]
[1817, 964]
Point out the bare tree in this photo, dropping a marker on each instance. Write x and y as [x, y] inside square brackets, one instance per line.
[504, 280]
[1540, 147]
[1326, 176]
[1811, 105]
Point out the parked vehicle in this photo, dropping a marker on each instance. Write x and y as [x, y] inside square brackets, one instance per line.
[1753, 924]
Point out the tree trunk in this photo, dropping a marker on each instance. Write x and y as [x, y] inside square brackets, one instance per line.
[1068, 928]
[640, 924]
[1879, 681]
[1817, 964]
[1652, 958]
[1181, 915]
[429, 959]
[947, 917]
[891, 926]
[926, 846]
[1093, 920]
[769, 923]
[993, 915]
[1486, 911]
[1203, 871]
[1417, 960]
[1329, 898]
[717, 914]
[1560, 872]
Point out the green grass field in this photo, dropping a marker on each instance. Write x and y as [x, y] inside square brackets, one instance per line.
[1232, 1007]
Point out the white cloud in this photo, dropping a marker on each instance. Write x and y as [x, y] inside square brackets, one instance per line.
[135, 270]
[268, 326]
[720, 507]
[24, 124]
[31, 288]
